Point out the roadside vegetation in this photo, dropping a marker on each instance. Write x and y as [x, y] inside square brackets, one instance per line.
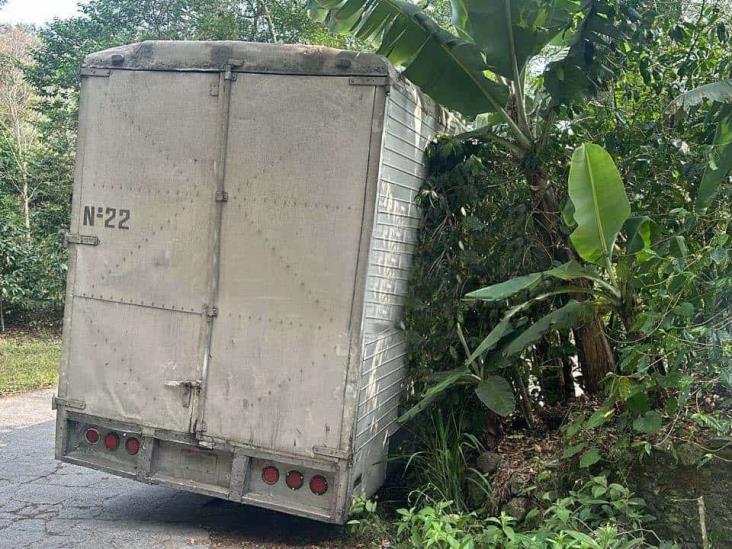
[28, 360]
[569, 312]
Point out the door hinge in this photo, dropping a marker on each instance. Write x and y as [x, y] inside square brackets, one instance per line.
[222, 196]
[87, 71]
[369, 81]
[228, 69]
[66, 403]
[210, 311]
[85, 239]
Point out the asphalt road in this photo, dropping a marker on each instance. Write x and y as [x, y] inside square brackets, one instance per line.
[44, 503]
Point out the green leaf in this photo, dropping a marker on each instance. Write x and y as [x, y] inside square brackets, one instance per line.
[568, 214]
[650, 422]
[504, 290]
[449, 69]
[574, 450]
[572, 270]
[532, 26]
[601, 206]
[600, 416]
[497, 394]
[454, 377]
[640, 233]
[716, 91]
[569, 271]
[586, 541]
[491, 340]
[677, 246]
[589, 458]
[685, 309]
[726, 377]
[720, 161]
[560, 319]
[638, 403]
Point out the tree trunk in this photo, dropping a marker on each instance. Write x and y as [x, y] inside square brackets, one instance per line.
[493, 429]
[595, 355]
[26, 210]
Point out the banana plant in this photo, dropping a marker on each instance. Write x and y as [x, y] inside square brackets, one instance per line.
[598, 212]
[476, 70]
[488, 67]
[720, 156]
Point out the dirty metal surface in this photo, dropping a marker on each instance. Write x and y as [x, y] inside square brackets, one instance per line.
[291, 227]
[146, 191]
[162, 55]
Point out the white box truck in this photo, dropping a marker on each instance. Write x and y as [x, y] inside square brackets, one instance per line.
[242, 228]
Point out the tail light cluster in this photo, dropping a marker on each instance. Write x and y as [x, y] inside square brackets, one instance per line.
[295, 479]
[112, 440]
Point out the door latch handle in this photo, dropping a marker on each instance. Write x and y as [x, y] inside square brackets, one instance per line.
[188, 386]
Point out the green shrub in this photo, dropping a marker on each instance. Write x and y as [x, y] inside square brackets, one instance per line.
[597, 514]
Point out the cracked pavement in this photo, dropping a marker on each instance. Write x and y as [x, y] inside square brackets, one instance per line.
[48, 504]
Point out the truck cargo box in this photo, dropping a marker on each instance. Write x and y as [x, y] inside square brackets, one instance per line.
[242, 230]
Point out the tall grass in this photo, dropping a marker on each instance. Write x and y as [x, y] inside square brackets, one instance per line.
[442, 468]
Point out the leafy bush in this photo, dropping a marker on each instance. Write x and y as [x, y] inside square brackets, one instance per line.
[598, 514]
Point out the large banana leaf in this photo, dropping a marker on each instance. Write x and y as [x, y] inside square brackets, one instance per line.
[563, 318]
[504, 290]
[508, 29]
[451, 70]
[720, 92]
[565, 272]
[600, 203]
[720, 161]
[497, 394]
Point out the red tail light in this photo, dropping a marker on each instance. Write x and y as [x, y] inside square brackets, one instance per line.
[132, 446]
[111, 441]
[294, 480]
[270, 475]
[91, 436]
[318, 485]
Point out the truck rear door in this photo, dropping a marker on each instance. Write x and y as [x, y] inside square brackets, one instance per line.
[296, 172]
[140, 252]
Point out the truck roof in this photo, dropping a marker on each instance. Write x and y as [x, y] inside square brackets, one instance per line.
[165, 55]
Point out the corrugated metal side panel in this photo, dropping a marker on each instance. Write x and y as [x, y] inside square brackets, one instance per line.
[410, 123]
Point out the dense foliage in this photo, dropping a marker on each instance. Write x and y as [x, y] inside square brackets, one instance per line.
[644, 246]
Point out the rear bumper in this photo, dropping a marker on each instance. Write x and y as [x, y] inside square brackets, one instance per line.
[225, 471]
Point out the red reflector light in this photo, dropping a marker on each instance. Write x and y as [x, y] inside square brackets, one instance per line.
[111, 441]
[270, 475]
[91, 436]
[318, 485]
[294, 480]
[132, 446]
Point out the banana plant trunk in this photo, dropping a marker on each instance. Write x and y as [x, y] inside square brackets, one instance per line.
[595, 356]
